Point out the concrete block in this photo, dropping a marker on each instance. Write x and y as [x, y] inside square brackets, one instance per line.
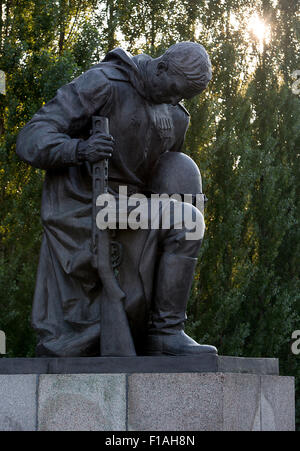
[82, 402]
[278, 403]
[18, 403]
[175, 402]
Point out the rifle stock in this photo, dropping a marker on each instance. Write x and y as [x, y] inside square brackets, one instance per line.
[115, 335]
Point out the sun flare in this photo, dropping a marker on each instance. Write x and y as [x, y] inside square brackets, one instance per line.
[259, 29]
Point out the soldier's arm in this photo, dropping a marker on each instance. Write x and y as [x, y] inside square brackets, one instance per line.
[49, 139]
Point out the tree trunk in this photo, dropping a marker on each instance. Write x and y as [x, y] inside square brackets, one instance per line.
[111, 25]
[62, 31]
[1, 23]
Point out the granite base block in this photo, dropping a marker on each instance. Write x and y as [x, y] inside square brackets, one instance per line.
[82, 402]
[18, 403]
[210, 402]
[165, 400]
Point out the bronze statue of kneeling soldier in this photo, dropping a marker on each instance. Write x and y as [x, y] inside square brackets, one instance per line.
[84, 305]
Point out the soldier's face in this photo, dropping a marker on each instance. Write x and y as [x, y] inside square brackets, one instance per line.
[168, 87]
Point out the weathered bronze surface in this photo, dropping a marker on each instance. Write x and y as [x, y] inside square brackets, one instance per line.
[154, 269]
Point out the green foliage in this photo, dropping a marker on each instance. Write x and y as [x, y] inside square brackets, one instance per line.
[244, 134]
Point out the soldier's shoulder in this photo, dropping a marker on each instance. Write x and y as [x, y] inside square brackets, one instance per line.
[101, 74]
[111, 72]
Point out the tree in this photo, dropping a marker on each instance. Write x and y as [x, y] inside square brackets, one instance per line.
[37, 61]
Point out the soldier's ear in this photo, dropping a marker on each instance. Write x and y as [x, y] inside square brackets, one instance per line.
[162, 67]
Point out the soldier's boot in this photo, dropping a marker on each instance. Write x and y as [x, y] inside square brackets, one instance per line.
[173, 285]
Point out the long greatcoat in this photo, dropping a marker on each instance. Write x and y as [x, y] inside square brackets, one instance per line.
[66, 308]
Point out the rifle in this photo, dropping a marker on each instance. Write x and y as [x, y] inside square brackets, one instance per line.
[115, 335]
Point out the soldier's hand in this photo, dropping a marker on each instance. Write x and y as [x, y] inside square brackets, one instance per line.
[98, 147]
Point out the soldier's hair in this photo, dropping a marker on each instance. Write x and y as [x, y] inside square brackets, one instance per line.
[190, 60]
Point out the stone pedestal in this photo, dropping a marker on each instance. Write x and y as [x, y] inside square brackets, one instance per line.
[145, 394]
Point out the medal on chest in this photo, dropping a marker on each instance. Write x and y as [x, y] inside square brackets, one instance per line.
[162, 123]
